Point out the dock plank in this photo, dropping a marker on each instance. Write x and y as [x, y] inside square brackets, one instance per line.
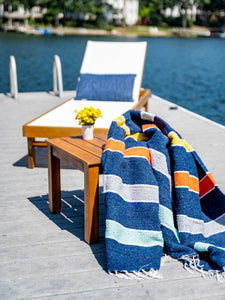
[44, 255]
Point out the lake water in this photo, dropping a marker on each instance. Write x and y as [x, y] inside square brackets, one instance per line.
[188, 72]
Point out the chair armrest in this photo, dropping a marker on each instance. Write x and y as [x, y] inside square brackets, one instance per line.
[143, 100]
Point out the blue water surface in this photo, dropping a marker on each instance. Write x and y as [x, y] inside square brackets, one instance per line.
[189, 72]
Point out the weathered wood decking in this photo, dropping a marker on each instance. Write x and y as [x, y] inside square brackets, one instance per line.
[44, 255]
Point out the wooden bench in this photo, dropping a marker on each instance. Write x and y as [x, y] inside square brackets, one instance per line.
[85, 156]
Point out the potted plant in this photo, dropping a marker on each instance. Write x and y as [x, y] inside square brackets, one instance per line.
[87, 118]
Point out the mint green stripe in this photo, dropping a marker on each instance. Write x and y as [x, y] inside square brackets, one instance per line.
[127, 236]
[166, 219]
[203, 247]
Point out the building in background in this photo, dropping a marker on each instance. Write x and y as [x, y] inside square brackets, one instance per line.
[125, 12]
[14, 19]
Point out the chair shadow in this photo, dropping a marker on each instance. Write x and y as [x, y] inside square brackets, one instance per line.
[41, 160]
[72, 218]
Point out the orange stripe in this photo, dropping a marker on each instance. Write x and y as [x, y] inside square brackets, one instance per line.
[183, 179]
[147, 126]
[194, 184]
[138, 151]
[114, 145]
[206, 184]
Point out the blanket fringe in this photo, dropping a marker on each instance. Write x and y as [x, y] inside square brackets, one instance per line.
[193, 263]
[166, 259]
[138, 275]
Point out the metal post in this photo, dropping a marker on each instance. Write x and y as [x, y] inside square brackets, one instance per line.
[13, 77]
[57, 77]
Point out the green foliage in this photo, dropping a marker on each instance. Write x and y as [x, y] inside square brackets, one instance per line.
[215, 5]
[189, 23]
[148, 10]
[15, 3]
[155, 19]
[145, 12]
[86, 6]
[50, 16]
[70, 23]
[109, 27]
[174, 22]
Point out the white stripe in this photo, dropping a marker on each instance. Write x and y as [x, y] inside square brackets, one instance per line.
[181, 186]
[186, 187]
[137, 156]
[114, 151]
[131, 192]
[178, 145]
[193, 191]
[181, 172]
[159, 162]
[196, 226]
[147, 116]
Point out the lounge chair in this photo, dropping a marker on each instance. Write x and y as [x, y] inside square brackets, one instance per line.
[110, 72]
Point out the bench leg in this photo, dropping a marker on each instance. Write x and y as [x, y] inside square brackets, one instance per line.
[31, 153]
[54, 185]
[91, 204]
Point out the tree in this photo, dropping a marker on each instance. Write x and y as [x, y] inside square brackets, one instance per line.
[215, 13]
[92, 9]
[184, 5]
[15, 3]
[150, 10]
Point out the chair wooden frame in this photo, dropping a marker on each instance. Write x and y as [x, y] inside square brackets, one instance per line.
[33, 132]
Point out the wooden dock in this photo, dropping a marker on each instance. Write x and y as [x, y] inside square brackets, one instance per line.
[44, 256]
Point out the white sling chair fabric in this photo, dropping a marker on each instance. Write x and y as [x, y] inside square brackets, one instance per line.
[102, 58]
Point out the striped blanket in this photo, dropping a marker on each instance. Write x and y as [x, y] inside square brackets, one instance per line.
[160, 199]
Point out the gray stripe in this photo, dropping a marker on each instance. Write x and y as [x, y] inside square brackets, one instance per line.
[196, 226]
[131, 192]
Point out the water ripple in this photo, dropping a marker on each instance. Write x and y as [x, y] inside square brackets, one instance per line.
[188, 72]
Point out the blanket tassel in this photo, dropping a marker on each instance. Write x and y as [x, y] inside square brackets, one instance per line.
[193, 263]
[141, 274]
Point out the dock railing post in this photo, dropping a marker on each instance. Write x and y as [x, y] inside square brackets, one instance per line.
[13, 77]
[57, 77]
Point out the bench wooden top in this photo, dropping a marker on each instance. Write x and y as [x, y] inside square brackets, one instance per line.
[89, 152]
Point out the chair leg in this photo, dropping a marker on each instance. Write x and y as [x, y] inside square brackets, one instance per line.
[146, 106]
[91, 204]
[54, 185]
[31, 153]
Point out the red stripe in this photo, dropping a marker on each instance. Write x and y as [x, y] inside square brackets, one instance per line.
[206, 184]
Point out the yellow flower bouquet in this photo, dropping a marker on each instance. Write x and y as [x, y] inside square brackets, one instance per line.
[88, 116]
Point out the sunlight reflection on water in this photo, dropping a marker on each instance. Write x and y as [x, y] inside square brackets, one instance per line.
[188, 72]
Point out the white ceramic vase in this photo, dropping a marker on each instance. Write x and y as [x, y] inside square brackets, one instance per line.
[88, 132]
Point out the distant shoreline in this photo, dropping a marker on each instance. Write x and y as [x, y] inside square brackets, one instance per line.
[142, 31]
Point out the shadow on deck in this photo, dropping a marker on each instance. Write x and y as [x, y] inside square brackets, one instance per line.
[71, 218]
